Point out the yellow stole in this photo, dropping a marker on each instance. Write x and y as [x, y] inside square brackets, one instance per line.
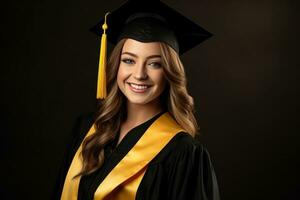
[123, 181]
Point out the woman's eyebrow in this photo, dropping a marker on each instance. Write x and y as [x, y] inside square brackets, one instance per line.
[134, 55]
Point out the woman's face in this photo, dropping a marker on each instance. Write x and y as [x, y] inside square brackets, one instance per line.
[141, 76]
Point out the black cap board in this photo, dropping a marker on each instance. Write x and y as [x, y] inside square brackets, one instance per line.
[152, 21]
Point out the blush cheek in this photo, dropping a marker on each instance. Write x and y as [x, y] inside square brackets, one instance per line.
[122, 77]
[120, 80]
[161, 81]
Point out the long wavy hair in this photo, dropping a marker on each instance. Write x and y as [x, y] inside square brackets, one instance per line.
[112, 110]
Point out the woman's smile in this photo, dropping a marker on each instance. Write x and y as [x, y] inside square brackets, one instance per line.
[138, 88]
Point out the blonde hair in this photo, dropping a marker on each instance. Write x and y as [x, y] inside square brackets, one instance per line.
[112, 110]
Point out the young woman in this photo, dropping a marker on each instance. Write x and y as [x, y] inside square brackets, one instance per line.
[140, 143]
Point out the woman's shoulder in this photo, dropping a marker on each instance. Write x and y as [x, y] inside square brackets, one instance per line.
[185, 142]
[182, 145]
[82, 124]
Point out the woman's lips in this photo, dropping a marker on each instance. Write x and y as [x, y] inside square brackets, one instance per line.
[138, 88]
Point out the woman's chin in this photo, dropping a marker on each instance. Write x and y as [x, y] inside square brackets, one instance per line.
[137, 101]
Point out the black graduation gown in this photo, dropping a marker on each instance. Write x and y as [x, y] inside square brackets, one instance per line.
[182, 170]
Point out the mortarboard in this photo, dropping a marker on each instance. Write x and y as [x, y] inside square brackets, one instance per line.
[146, 21]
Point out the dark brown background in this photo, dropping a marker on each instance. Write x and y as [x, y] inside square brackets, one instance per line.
[243, 79]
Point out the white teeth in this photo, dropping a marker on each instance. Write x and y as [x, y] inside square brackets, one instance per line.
[138, 87]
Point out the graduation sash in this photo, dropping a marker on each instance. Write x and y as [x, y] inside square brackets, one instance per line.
[123, 181]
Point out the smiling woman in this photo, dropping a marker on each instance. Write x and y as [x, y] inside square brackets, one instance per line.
[140, 143]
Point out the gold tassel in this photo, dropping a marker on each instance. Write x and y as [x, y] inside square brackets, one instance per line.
[101, 85]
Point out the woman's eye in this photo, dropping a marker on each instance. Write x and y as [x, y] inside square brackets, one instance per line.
[155, 64]
[128, 61]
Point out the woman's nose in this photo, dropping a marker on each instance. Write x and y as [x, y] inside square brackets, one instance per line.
[140, 73]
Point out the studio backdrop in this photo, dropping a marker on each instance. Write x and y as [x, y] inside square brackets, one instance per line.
[243, 80]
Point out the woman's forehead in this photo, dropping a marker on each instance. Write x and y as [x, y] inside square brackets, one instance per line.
[141, 49]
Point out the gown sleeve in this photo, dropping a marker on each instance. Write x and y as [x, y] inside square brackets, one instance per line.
[190, 174]
[181, 171]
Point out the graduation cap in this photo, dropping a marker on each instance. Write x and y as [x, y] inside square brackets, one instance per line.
[146, 21]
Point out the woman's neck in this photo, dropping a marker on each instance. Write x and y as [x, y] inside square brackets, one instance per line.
[137, 113]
